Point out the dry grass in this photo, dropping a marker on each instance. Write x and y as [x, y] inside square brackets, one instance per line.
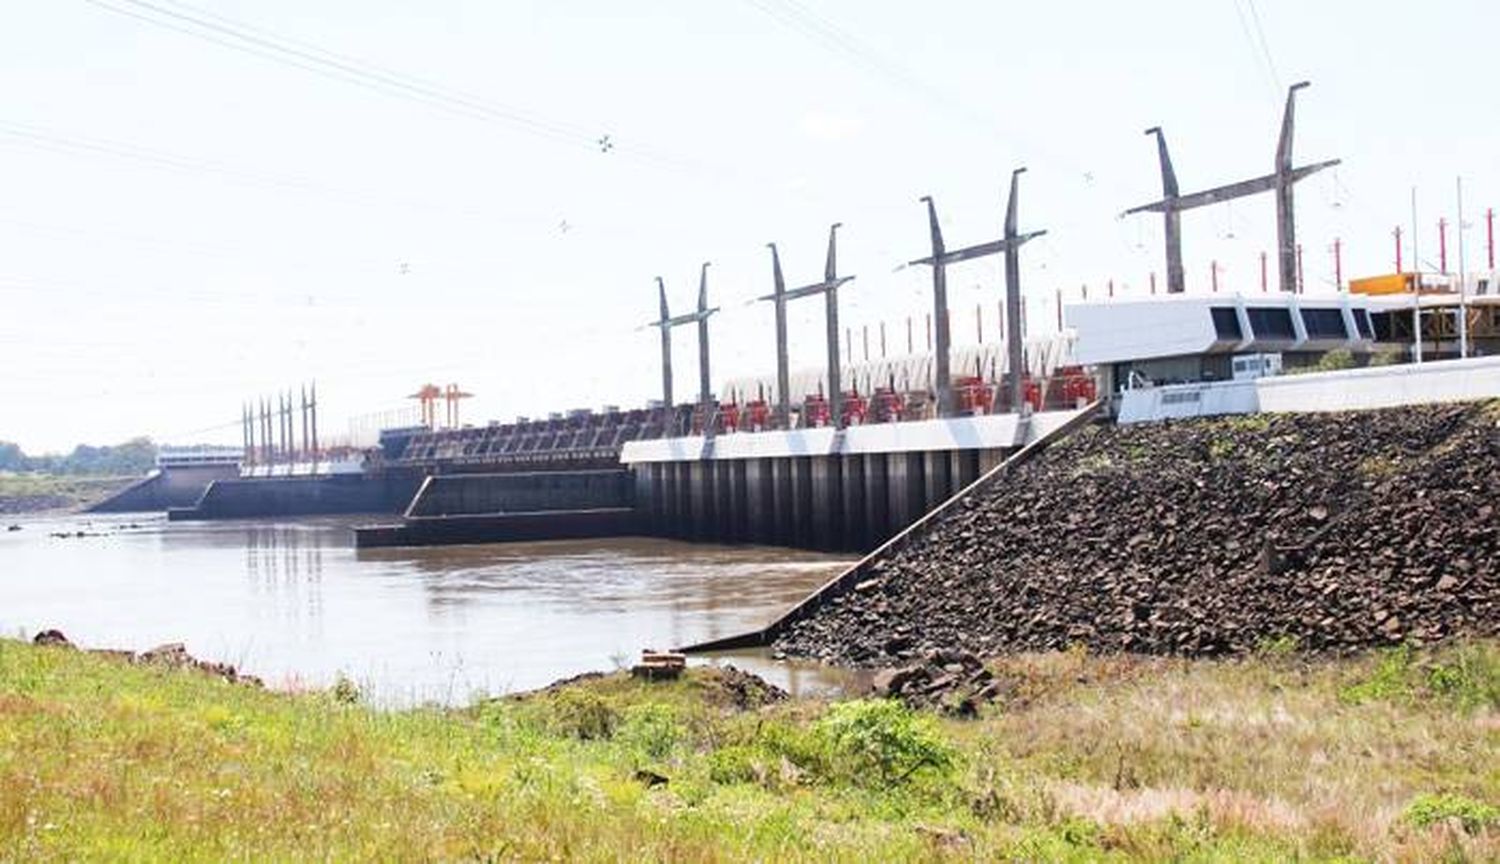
[1271, 758]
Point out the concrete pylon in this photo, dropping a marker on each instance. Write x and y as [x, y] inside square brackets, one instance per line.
[783, 373]
[666, 344]
[1014, 331]
[1009, 244]
[666, 322]
[1171, 217]
[829, 288]
[1281, 180]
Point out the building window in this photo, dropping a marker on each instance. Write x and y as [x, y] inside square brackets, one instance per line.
[1324, 324]
[1271, 323]
[1362, 321]
[1226, 324]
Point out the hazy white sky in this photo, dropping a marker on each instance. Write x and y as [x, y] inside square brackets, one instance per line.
[185, 224]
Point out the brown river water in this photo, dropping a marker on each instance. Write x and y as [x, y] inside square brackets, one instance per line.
[297, 605]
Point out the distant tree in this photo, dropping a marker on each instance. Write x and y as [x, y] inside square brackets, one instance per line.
[11, 457]
[136, 456]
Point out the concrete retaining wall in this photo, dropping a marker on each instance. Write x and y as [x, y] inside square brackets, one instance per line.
[1346, 390]
[301, 496]
[460, 494]
[165, 489]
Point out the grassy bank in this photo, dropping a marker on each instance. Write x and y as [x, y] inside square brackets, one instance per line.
[33, 493]
[1392, 756]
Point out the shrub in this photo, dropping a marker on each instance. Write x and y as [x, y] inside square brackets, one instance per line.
[345, 691]
[733, 764]
[653, 730]
[584, 715]
[882, 740]
[1474, 816]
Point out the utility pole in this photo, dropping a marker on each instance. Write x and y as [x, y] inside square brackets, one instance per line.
[314, 405]
[1281, 181]
[1416, 295]
[1443, 246]
[1338, 265]
[305, 438]
[1010, 244]
[1397, 234]
[247, 443]
[1489, 231]
[1463, 281]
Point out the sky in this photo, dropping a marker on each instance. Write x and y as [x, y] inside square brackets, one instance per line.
[203, 203]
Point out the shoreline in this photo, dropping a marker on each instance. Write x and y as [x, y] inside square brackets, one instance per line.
[1084, 757]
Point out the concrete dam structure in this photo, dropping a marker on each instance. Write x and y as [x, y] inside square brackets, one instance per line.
[510, 507]
[828, 489]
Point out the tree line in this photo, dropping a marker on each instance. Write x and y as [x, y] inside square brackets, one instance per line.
[136, 456]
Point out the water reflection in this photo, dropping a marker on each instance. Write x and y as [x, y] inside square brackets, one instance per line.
[295, 603]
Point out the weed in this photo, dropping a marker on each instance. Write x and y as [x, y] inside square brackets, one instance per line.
[1429, 809]
[1466, 677]
[651, 730]
[1285, 645]
[882, 740]
[1221, 448]
[584, 715]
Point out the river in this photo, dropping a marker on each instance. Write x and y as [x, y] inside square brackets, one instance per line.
[297, 605]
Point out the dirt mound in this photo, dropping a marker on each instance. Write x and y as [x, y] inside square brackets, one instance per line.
[1203, 537]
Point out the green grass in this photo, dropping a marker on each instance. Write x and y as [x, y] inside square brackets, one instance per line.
[1262, 759]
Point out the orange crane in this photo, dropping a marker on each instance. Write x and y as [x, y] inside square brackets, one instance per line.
[427, 396]
[451, 395]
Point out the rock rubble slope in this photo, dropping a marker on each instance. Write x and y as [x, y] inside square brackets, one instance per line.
[1154, 539]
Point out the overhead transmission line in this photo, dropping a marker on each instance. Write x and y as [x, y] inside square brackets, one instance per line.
[74, 145]
[1259, 48]
[268, 45]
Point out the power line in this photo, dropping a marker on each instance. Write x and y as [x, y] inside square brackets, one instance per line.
[1258, 45]
[1265, 48]
[229, 33]
[51, 141]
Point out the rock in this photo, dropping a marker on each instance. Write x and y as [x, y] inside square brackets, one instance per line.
[1137, 539]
